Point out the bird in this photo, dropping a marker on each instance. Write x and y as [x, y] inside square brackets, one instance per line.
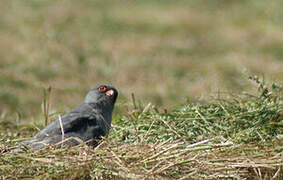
[88, 122]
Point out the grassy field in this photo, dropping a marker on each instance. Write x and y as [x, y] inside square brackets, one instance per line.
[187, 62]
[240, 137]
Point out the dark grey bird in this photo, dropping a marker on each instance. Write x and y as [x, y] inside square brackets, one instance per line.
[88, 121]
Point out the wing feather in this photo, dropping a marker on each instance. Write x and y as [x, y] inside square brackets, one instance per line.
[75, 121]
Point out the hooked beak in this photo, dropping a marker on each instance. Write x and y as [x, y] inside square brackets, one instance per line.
[110, 92]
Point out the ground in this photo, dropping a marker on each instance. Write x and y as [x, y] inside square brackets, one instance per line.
[186, 63]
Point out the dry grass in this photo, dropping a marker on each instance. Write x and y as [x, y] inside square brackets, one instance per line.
[236, 138]
[166, 160]
[168, 53]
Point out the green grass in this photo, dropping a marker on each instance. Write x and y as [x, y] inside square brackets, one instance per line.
[239, 137]
[185, 61]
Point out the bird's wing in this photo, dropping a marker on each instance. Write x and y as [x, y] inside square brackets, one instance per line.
[75, 120]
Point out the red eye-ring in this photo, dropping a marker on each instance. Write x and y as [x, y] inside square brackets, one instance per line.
[102, 88]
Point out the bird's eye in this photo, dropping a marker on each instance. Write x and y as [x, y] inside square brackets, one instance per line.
[102, 88]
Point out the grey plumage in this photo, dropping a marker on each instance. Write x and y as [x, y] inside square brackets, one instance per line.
[88, 121]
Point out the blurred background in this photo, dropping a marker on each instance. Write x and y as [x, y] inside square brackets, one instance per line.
[165, 52]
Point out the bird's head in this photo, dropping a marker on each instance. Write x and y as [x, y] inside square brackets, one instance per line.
[103, 94]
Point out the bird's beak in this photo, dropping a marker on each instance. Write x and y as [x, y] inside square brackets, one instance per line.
[110, 92]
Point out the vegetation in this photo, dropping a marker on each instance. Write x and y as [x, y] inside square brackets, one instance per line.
[185, 110]
[239, 138]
